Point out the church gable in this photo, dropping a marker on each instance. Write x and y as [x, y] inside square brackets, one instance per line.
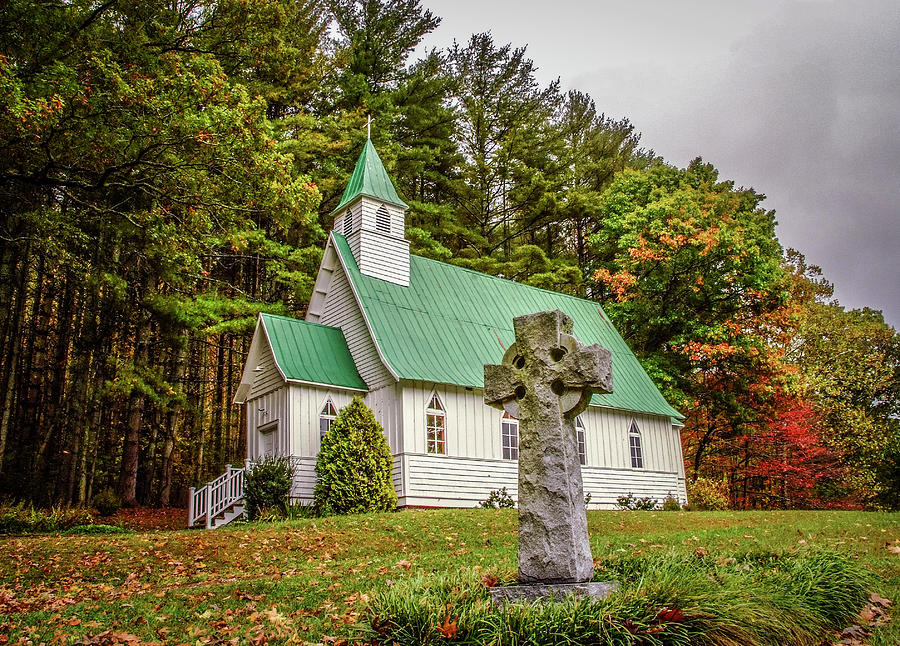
[261, 374]
[289, 350]
[340, 309]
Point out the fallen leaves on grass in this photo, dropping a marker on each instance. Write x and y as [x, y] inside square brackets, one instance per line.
[875, 613]
[670, 615]
[489, 581]
[108, 638]
[448, 629]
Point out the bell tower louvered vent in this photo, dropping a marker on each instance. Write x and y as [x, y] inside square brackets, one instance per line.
[382, 219]
[372, 217]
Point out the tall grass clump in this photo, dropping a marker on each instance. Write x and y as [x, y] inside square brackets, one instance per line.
[26, 519]
[754, 600]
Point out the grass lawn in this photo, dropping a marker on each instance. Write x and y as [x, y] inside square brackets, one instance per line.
[309, 581]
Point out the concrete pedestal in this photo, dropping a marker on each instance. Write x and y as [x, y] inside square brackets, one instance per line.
[543, 593]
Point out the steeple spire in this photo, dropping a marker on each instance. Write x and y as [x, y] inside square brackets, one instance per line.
[370, 179]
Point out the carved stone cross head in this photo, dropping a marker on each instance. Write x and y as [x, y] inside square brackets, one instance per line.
[549, 367]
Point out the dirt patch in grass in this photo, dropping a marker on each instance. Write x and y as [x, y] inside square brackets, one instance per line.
[146, 519]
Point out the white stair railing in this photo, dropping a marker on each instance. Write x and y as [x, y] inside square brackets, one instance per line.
[216, 496]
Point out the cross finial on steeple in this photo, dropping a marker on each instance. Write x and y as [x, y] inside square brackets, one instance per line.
[369, 128]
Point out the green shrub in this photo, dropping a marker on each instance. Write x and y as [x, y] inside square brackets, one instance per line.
[705, 494]
[671, 504]
[676, 599]
[19, 519]
[107, 502]
[498, 499]
[267, 485]
[630, 503]
[353, 470]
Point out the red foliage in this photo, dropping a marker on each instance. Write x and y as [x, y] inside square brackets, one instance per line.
[776, 461]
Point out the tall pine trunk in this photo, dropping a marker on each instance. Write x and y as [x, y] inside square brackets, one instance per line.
[136, 402]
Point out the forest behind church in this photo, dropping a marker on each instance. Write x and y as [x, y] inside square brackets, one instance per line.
[167, 171]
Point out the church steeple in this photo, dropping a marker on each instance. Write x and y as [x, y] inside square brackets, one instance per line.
[372, 217]
[369, 178]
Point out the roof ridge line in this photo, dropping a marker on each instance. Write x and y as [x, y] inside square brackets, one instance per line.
[294, 318]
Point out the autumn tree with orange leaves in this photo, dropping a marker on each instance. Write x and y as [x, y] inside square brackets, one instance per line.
[689, 268]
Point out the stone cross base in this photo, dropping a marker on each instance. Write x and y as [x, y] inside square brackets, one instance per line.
[542, 593]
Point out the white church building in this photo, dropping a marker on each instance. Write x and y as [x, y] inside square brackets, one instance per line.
[411, 337]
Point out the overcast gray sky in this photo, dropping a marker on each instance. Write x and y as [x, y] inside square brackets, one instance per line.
[799, 99]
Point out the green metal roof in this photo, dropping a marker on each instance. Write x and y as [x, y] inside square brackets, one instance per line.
[451, 321]
[369, 178]
[311, 352]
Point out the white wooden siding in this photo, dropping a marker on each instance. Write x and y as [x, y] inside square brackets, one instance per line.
[473, 465]
[387, 404]
[369, 220]
[306, 404]
[341, 310]
[265, 374]
[382, 256]
[378, 254]
[305, 478]
[452, 481]
[474, 451]
[265, 409]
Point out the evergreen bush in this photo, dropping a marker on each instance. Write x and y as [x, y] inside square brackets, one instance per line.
[498, 499]
[353, 471]
[671, 504]
[267, 485]
[705, 494]
[107, 502]
[629, 503]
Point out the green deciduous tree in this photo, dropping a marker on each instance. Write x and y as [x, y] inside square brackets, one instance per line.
[850, 360]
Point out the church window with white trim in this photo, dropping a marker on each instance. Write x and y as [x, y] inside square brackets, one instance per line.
[509, 433]
[579, 433]
[435, 426]
[326, 417]
[634, 444]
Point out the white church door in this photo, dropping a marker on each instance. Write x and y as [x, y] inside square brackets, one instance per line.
[267, 437]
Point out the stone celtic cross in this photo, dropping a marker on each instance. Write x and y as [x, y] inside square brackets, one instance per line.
[546, 379]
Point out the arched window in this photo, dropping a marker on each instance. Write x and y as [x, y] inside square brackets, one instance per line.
[509, 433]
[634, 444]
[348, 222]
[435, 426]
[383, 219]
[326, 417]
[579, 432]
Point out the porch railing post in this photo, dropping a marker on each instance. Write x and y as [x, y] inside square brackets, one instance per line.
[209, 504]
